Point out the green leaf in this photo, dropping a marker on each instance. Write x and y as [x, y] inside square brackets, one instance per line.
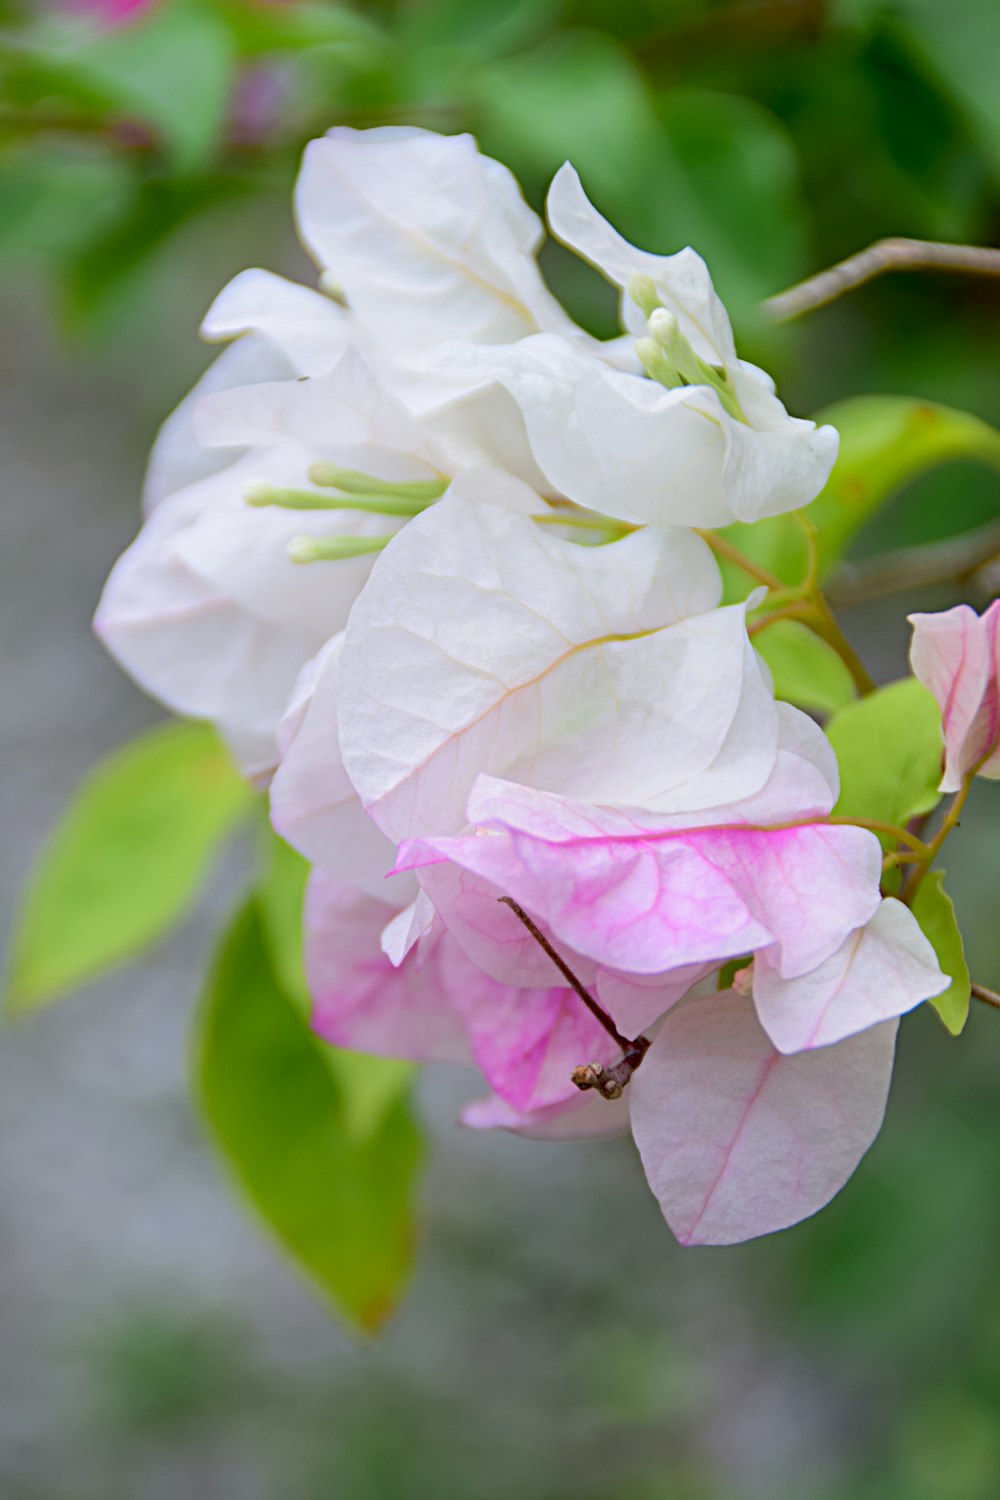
[338, 1197]
[173, 69]
[127, 860]
[111, 279]
[806, 670]
[746, 214]
[888, 745]
[962, 56]
[53, 203]
[933, 909]
[281, 891]
[886, 442]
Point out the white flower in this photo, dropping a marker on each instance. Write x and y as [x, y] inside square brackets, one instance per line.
[690, 434]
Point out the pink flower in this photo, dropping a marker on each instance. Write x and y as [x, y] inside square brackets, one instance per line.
[751, 1109]
[957, 655]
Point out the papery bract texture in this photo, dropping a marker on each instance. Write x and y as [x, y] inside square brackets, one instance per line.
[427, 238]
[880, 971]
[738, 1140]
[487, 644]
[437, 1005]
[956, 654]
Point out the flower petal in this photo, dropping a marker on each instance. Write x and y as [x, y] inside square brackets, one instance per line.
[428, 239]
[682, 280]
[359, 999]
[628, 447]
[485, 644]
[649, 902]
[526, 1041]
[738, 1140]
[311, 330]
[587, 1117]
[313, 804]
[956, 654]
[879, 972]
[179, 457]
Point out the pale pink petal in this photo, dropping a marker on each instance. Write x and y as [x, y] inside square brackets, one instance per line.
[526, 1041]
[648, 902]
[585, 1117]
[636, 1001]
[489, 932]
[879, 972]
[359, 999]
[415, 927]
[954, 655]
[738, 1140]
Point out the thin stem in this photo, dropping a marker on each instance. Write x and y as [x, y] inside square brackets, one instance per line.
[810, 582]
[797, 610]
[956, 558]
[599, 1014]
[988, 997]
[895, 254]
[934, 846]
[891, 830]
[827, 628]
[724, 548]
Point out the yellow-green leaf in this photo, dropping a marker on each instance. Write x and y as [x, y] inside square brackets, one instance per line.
[806, 670]
[888, 747]
[127, 860]
[933, 909]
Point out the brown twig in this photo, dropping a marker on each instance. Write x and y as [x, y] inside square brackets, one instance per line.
[609, 1082]
[885, 255]
[955, 559]
[988, 997]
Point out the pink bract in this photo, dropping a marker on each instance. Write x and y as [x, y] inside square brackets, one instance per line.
[956, 654]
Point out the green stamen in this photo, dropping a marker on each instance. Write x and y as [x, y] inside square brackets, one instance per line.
[657, 365]
[307, 549]
[260, 494]
[642, 290]
[353, 482]
[675, 363]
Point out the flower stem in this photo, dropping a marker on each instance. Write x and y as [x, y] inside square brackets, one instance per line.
[988, 997]
[804, 602]
[891, 830]
[608, 1082]
[933, 848]
[722, 547]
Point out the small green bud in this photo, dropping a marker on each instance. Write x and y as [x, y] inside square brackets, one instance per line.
[331, 287]
[307, 549]
[656, 363]
[642, 290]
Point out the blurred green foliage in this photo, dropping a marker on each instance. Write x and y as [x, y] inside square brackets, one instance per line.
[126, 863]
[774, 135]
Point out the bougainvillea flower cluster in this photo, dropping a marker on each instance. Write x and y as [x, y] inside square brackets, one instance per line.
[425, 552]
